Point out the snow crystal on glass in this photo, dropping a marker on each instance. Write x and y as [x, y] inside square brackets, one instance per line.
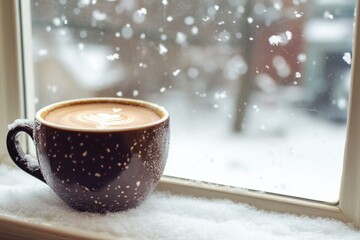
[205, 19]
[193, 72]
[275, 40]
[347, 57]
[127, 31]
[98, 16]
[176, 72]
[139, 15]
[189, 20]
[288, 35]
[162, 49]
[163, 37]
[194, 30]
[181, 38]
[112, 57]
[212, 10]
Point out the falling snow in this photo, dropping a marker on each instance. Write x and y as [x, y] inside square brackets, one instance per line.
[81, 46]
[56, 21]
[328, 15]
[341, 103]
[52, 88]
[142, 65]
[221, 94]
[135, 93]
[194, 30]
[43, 52]
[301, 57]
[98, 16]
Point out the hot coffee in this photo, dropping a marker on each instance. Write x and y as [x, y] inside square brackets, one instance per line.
[101, 115]
[97, 154]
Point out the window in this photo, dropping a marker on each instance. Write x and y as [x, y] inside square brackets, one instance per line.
[203, 61]
[263, 91]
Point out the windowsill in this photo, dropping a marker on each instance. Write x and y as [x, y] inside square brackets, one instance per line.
[29, 208]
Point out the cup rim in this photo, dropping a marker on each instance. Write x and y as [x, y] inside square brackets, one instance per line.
[161, 111]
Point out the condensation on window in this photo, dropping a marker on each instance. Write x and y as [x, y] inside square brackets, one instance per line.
[257, 90]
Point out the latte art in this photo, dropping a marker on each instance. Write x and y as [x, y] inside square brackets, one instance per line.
[105, 119]
[101, 116]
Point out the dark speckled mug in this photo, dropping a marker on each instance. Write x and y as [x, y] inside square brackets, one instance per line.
[97, 170]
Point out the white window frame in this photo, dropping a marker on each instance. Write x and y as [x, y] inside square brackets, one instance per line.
[14, 64]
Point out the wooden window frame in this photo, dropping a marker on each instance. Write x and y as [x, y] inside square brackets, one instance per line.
[16, 63]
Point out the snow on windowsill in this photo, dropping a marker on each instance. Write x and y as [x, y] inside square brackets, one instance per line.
[163, 216]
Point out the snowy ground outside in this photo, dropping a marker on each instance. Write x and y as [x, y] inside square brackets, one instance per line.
[283, 149]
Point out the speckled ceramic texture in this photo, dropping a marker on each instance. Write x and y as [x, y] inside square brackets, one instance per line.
[99, 171]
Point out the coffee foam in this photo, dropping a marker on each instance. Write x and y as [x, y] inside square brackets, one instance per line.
[100, 115]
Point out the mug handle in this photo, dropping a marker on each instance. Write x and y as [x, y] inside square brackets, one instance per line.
[23, 161]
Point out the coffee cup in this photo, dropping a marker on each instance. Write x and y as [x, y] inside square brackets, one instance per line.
[97, 154]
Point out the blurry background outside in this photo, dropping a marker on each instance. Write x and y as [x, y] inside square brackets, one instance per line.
[257, 90]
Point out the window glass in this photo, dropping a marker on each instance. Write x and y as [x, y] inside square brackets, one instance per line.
[257, 90]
